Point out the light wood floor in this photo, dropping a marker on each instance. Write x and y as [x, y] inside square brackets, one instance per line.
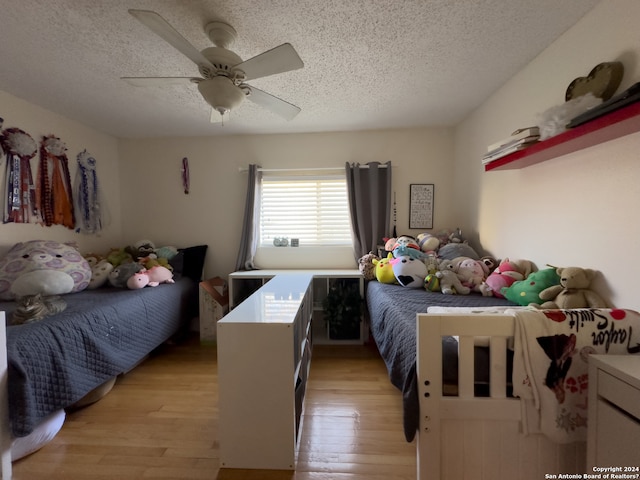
[160, 422]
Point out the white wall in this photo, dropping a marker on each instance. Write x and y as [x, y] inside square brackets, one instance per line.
[39, 122]
[155, 206]
[577, 210]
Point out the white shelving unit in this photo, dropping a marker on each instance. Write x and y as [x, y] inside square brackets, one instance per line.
[243, 283]
[264, 355]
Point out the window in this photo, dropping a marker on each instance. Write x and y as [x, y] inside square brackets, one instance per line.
[313, 209]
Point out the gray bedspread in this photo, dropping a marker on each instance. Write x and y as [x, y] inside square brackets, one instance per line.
[102, 333]
[392, 313]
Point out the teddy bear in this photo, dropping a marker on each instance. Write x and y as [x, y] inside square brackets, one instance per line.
[450, 282]
[572, 292]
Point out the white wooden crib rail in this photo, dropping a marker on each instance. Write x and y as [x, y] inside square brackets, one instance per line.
[474, 438]
[5, 437]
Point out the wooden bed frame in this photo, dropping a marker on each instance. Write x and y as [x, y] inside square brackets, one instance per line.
[473, 438]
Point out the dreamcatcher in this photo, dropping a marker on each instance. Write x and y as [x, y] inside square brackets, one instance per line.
[91, 210]
[20, 148]
[54, 196]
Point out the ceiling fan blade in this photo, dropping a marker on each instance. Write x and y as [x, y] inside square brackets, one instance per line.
[278, 106]
[161, 27]
[277, 60]
[160, 81]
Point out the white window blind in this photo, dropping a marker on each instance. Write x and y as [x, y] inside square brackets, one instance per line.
[313, 209]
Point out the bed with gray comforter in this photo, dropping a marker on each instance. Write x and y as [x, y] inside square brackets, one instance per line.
[102, 333]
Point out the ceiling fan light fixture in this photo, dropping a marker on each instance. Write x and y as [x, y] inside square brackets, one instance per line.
[221, 94]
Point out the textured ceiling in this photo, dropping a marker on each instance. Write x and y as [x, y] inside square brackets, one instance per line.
[369, 64]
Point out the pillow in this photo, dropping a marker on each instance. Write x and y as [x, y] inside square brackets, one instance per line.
[455, 250]
[189, 262]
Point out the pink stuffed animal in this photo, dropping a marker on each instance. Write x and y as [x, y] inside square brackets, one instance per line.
[507, 273]
[152, 277]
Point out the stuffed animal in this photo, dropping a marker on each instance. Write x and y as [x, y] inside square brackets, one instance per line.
[432, 283]
[505, 274]
[427, 242]
[431, 262]
[118, 256]
[120, 275]
[490, 262]
[152, 260]
[100, 274]
[384, 270]
[572, 292]
[524, 292]
[167, 252]
[406, 246]
[152, 277]
[409, 272]
[93, 259]
[456, 236]
[450, 282]
[367, 267]
[42, 266]
[141, 249]
[472, 273]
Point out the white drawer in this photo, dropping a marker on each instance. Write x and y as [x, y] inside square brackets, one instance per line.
[618, 437]
[619, 393]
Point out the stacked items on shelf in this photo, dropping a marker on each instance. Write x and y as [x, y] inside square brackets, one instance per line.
[518, 140]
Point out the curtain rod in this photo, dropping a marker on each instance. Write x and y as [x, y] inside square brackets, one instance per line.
[245, 169]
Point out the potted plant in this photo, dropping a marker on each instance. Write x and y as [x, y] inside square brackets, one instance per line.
[342, 309]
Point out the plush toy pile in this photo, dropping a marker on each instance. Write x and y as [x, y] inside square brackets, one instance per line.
[446, 263]
[50, 268]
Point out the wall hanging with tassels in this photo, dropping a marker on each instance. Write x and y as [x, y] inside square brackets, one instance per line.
[19, 202]
[54, 195]
[91, 212]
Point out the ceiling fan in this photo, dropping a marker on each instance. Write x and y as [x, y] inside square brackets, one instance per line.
[223, 73]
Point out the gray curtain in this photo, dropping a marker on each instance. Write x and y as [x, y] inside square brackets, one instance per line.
[369, 190]
[249, 240]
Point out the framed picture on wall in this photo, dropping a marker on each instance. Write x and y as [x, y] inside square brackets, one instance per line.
[421, 205]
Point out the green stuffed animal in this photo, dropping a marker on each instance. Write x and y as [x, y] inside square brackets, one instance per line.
[572, 292]
[524, 292]
[118, 256]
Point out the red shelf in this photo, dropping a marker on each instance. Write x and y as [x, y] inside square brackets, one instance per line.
[602, 129]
